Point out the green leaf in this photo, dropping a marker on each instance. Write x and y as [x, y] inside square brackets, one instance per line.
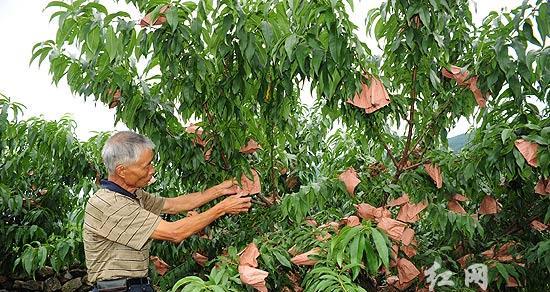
[536, 138]
[282, 259]
[379, 29]
[32, 230]
[111, 16]
[356, 252]
[111, 44]
[92, 40]
[533, 126]
[506, 133]
[515, 85]
[62, 249]
[424, 16]
[345, 236]
[335, 46]
[290, 43]
[172, 18]
[186, 280]
[208, 5]
[97, 6]
[434, 5]
[528, 31]
[318, 56]
[381, 247]
[42, 256]
[502, 271]
[267, 32]
[524, 72]
[520, 48]
[58, 4]
[301, 54]
[61, 14]
[27, 260]
[249, 52]
[520, 161]
[372, 258]
[40, 52]
[502, 56]
[434, 79]
[409, 38]
[542, 20]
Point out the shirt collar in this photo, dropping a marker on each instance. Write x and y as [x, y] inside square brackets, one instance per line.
[111, 186]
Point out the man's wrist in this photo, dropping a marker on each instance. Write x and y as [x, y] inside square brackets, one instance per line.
[208, 192]
[216, 191]
[218, 210]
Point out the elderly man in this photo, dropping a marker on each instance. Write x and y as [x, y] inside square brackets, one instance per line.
[121, 219]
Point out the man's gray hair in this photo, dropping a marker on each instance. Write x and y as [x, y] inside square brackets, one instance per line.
[124, 148]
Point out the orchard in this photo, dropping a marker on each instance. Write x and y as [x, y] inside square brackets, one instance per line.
[358, 192]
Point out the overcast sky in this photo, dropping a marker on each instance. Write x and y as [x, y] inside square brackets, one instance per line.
[24, 23]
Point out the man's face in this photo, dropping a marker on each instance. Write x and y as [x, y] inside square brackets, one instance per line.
[139, 173]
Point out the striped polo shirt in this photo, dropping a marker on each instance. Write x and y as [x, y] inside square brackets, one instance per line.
[116, 234]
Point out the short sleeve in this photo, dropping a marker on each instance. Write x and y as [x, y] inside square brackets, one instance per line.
[151, 202]
[128, 223]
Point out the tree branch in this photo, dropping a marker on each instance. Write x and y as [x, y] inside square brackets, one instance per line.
[430, 126]
[216, 137]
[410, 122]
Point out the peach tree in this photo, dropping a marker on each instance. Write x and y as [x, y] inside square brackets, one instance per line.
[237, 70]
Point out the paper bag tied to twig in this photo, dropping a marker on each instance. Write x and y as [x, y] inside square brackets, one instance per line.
[199, 259]
[461, 78]
[251, 186]
[248, 272]
[253, 277]
[409, 212]
[160, 266]
[371, 98]
[406, 270]
[393, 228]
[303, 258]
[528, 150]
[350, 180]
[489, 206]
[250, 147]
[367, 211]
[249, 255]
[435, 173]
[161, 18]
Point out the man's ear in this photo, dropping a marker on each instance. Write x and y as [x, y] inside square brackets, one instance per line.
[120, 170]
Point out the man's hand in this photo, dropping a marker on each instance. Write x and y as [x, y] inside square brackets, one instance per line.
[228, 187]
[236, 204]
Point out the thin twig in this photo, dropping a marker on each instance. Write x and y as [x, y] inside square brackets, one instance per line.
[254, 201]
[413, 166]
[388, 150]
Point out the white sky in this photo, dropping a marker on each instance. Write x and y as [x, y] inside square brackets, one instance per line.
[24, 23]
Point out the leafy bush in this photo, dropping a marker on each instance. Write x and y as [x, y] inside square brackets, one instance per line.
[45, 176]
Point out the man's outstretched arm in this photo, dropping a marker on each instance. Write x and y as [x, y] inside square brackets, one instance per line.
[194, 200]
[179, 230]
